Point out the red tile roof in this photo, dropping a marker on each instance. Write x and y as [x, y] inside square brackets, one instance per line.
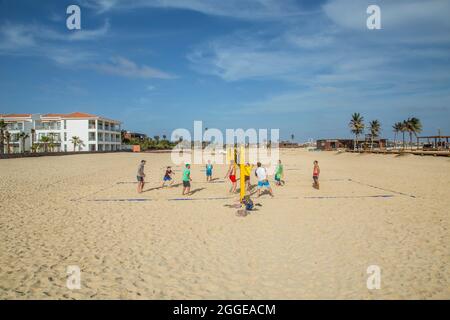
[15, 115]
[69, 115]
[80, 115]
[53, 115]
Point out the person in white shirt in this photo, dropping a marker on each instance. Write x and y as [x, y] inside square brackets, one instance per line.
[261, 173]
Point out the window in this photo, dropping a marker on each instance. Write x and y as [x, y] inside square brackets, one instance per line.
[65, 148]
[91, 124]
[91, 136]
[65, 124]
[65, 135]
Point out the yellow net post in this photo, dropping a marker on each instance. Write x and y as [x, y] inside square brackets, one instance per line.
[242, 172]
[229, 155]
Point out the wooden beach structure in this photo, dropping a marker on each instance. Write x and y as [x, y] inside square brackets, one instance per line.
[434, 143]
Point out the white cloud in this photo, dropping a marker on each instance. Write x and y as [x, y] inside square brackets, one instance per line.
[21, 35]
[249, 9]
[15, 36]
[41, 41]
[412, 21]
[126, 68]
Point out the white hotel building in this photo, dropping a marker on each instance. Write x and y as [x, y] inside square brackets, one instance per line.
[96, 133]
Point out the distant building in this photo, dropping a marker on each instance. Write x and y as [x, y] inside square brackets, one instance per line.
[15, 124]
[335, 144]
[96, 133]
[134, 135]
[288, 144]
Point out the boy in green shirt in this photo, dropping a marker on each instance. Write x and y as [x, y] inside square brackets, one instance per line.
[279, 174]
[187, 179]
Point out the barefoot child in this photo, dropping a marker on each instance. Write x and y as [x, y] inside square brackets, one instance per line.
[316, 173]
[187, 179]
[231, 173]
[209, 168]
[279, 174]
[168, 177]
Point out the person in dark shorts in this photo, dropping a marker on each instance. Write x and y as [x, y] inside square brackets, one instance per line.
[316, 173]
[187, 179]
[140, 176]
[247, 172]
[168, 177]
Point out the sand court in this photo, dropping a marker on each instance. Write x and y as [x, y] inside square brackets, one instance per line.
[336, 189]
[84, 210]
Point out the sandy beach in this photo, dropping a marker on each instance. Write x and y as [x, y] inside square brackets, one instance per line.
[385, 210]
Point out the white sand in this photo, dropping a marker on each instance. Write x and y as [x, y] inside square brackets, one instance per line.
[293, 247]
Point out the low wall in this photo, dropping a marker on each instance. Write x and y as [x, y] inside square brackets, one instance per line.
[51, 154]
[414, 152]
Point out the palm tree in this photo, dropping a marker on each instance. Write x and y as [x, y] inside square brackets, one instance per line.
[35, 147]
[23, 136]
[356, 126]
[45, 141]
[52, 143]
[375, 129]
[164, 137]
[292, 137]
[156, 138]
[33, 136]
[3, 127]
[8, 141]
[413, 126]
[76, 141]
[403, 130]
[397, 128]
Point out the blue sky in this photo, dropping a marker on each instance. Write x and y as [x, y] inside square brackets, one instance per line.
[301, 66]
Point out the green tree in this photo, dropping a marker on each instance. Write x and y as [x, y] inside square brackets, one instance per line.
[35, 147]
[45, 142]
[3, 127]
[356, 127]
[375, 129]
[413, 127]
[33, 136]
[77, 142]
[23, 136]
[397, 128]
[52, 143]
[8, 141]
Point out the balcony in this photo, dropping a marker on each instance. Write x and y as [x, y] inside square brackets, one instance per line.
[14, 126]
[45, 126]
